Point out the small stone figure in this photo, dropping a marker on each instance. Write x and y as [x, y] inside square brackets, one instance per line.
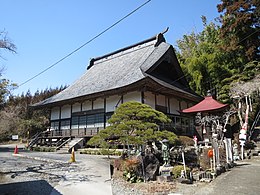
[182, 174]
[149, 148]
[165, 151]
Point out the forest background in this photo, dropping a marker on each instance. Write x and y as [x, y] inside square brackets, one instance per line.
[224, 55]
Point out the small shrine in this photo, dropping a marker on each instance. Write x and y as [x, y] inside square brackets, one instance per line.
[212, 118]
[206, 108]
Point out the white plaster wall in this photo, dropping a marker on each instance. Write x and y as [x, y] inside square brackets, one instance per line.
[132, 96]
[87, 105]
[76, 107]
[174, 106]
[98, 103]
[111, 103]
[55, 113]
[161, 100]
[66, 111]
[149, 99]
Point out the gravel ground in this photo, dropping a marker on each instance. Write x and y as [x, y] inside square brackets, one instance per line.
[90, 175]
[50, 173]
[120, 187]
[243, 179]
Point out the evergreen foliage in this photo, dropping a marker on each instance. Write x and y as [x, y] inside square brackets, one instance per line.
[223, 53]
[240, 25]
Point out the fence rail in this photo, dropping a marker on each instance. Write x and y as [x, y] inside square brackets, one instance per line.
[72, 132]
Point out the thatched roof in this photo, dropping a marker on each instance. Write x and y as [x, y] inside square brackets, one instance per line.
[126, 67]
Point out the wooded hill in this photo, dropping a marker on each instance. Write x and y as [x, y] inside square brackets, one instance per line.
[17, 118]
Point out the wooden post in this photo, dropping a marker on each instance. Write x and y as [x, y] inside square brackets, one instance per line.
[242, 151]
[214, 160]
[184, 165]
[227, 152]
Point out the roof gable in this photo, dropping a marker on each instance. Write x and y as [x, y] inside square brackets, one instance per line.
[167, 69]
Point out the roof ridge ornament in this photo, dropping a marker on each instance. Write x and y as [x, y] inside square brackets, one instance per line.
[160, 38]
[165, 31]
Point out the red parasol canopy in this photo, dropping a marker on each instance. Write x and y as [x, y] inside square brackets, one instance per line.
[208, 104]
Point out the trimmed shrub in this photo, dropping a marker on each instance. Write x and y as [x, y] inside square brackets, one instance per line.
[101, 152]
[185, 141]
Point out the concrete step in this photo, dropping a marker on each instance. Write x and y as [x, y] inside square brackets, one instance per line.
[76, 142]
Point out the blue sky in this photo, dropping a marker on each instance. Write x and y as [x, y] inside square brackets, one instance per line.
[44, 31]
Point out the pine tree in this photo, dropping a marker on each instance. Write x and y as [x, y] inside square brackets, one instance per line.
[133, 123]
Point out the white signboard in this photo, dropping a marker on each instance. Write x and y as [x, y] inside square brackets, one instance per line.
[14, 137]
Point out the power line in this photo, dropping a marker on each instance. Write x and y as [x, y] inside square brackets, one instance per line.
[248, 36]
[92, 39]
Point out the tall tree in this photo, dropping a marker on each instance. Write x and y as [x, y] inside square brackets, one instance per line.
[225, 56]
[202, 59]
[240, 27]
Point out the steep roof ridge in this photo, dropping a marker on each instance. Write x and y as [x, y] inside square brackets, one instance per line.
[124, 52]
[155, 40]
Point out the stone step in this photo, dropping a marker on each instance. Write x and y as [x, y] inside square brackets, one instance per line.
[74, 142]
[67, 147]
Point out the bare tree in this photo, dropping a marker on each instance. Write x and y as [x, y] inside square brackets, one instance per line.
[242, 89]
[5, 85]
[5, 42]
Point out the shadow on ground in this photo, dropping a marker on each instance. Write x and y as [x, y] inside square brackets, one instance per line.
[40, 187]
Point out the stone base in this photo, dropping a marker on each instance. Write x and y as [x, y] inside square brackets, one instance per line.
[165, 170]
[185, 181]
[164, 179]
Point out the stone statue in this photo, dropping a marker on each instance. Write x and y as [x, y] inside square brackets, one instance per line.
[165, 151]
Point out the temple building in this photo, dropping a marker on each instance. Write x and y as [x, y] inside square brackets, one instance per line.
[146, 72]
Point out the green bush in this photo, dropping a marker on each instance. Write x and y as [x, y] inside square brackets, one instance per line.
[36, 149]
[101, 152]
[43, 149]
[176, 171]
[130, 167]
[131, 177]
